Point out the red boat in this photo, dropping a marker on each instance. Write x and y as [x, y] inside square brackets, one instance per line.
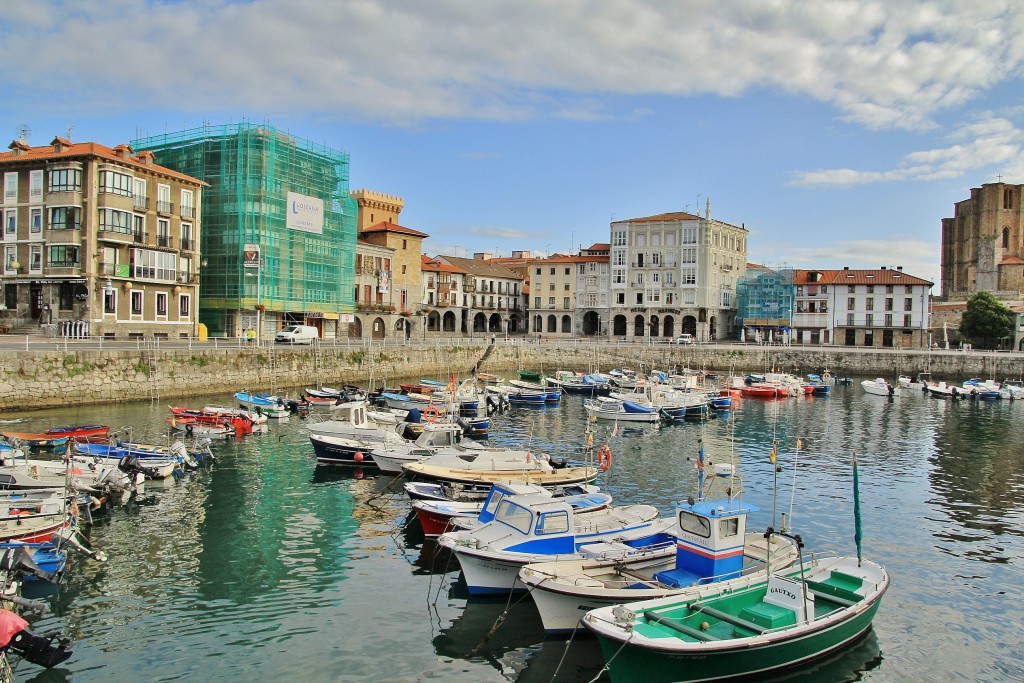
[78, 431]
[240, 423]
[764, 391]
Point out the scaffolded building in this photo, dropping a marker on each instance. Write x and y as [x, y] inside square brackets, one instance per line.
[279, 227]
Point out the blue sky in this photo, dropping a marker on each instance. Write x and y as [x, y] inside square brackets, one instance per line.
[839, 132]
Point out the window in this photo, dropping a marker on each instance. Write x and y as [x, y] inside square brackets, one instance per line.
[824, 289]
[186, 238]
[35, 258]
[669, 297]
[112, 220]
[112, 182]
[639, 279]
[552, 271]
[908, 304]
[65, 218]
[694, 524]
[403, 268]
[851, 303]
[551, 286]
[689, 236]
[888, 319]
[566, 271]
[163, 199]
[619, 238]
[136, 303]
[688, 255]
[639, 298]
[187, 210]
[163, 232]
[10, 258]
[849, 318]
[565, 302]
[618, 259]
[1006, 237]
[907, 320]
[869, 320]
[64, 255]
[869, 304]
[536, 302]
[35, 186]
[888, 303]
[11, 188]
[620, 298]
[11, 224]
[35, 221]
[139, 193]
[149, 264]
[551, 301]
[138, 228]
[552, 523]
[65, 180]
[728, 527]
[1007, 198]
[566, 288]
[538, 272]
[871, 289]
[405, 244]
[109, 300]
[688, 276]
[161, 304]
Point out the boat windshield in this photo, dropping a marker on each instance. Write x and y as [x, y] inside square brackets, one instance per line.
[694, 524]
[553, 523]
[515, 516]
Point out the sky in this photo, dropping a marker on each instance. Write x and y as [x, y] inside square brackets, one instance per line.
[838, 132]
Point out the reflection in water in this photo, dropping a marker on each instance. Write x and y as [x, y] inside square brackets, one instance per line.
[268, 565]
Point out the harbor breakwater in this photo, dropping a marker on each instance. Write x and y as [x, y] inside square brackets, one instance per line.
[41, 377]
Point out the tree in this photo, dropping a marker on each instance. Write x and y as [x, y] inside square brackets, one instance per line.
[987, 320]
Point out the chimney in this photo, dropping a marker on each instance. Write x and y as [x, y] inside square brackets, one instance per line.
[883, 267]
[899, 268]
[846, 267]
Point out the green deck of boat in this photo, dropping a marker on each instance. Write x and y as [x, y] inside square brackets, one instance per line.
[744, 614]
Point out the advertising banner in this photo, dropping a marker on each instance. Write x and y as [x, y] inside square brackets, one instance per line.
[305, 213]
[251, 256]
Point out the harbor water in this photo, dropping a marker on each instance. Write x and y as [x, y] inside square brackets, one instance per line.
[265, 566]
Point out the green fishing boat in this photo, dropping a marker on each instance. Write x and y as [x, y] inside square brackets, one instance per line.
[784, 621]
[530, 376]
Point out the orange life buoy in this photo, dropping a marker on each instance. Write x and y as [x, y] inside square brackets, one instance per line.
[431, 414]
[604, 458]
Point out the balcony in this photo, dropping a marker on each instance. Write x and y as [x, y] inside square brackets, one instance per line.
[188, 244]
[115, 234]
[188, 212]
[141, 202]
[139, 237]
[166, 208]
[165, 241]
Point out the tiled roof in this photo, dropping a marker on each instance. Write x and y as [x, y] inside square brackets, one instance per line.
[599, 246]
[72, 150]
[1012, 260]
[881, 276]
[672, 216]
[393, 227]
[482, 268]
[433, 265]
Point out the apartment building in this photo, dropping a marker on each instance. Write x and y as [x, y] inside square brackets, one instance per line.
[98, 241]
[493, 296]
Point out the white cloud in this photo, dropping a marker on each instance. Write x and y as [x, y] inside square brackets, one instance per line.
[881, 63]
[499, 233]
[989, 143]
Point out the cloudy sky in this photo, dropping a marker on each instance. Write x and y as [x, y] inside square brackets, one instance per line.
[838, 132]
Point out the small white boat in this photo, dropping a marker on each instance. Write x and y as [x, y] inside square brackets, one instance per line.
[518, 530]
[606, 408]
[880, 387]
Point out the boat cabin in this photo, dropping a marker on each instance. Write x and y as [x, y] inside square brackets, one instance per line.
[710, 542]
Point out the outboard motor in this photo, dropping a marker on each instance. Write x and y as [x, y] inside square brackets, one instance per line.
[464, 423]
[47, 650]
[129, 464]
[558, 463]
[18, 561]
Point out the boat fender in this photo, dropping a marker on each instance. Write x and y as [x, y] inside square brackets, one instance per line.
[431, 414]
[358, 457]
[188, 429]
[604, 457]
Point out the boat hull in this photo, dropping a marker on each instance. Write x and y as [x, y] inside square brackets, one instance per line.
[655, 665]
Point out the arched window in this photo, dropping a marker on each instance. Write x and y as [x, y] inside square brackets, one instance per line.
[1006, 237]
[1007, 198]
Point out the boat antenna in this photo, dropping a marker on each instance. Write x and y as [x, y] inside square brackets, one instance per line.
[700, 469]
[792, 495]
[857, 535]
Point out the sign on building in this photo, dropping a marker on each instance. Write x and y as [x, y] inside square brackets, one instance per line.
[251, 256]
[305, 213]
[383, 281]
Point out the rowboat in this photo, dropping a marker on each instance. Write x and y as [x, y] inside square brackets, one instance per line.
[785, 620]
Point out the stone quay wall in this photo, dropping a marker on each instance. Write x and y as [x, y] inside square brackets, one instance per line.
[43, 378]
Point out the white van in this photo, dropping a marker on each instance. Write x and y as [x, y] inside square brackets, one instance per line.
[297, 334]
[684, 339]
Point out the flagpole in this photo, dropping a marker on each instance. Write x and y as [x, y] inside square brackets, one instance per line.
[775, 478]
[857, 535]
[700, 469]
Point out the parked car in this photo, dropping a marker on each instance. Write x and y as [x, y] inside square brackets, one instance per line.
[297, 334]
[684, 339]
